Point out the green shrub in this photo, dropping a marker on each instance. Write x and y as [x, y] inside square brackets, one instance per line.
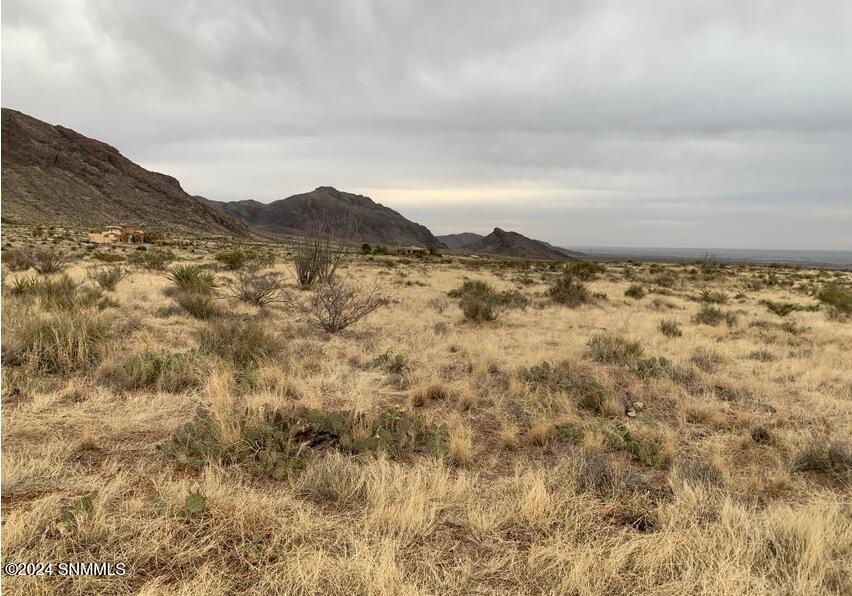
[645, 451]
[585, 390]
[154, 259]
[570, 292]
[837, 298]
[107, 277]
[670, 328]
[237, 259]
[164, 372]
[479, 301]
[635, 291]
[241, 341]
[192, 278]
[709, 315]
[611, 348]
[583, 270]
[276, 442]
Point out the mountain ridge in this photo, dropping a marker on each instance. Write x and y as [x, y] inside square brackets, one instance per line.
[53, 175]
[296, 214]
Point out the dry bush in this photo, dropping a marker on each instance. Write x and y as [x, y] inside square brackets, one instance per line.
[635, 291]
[107, 277]
[153, 259]
[198, 304]
[49, 260]
[239, 340]
[670, 328]
[837, 299]
[158, 371]
[611, 348]
[321, 251]
[336, 303]
[253, 287]
[17, 260]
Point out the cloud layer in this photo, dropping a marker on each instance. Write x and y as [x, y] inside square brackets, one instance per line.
[585, 122]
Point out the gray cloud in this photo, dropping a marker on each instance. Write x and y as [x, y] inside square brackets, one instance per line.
[581, 122]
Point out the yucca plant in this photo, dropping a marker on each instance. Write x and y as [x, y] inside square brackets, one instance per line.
[192, 277]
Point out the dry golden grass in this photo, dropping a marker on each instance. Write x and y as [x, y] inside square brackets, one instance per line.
[543, 484]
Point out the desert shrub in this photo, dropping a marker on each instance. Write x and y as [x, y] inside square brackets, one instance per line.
[154, 259]
[107, 277]
[635, 291]
[709, 265]
[57, 342]
[838, 300]
[107, 257]
[584, 270]
[49, 260]
[585, 390]
[240, 341]
[60, 293]
[232, 259]
[199, 305]
[366, 248]
[707, 360]
[709, 315]
[336, 304]
[478, 308]
[162, 371]
[713, 297]
[646, 451]
[393, 363]
[192, 278]
[652, 368]
[611, 348]
[570, 292]
[670, 328]
[762, 356]
[237, 259]
[25, 286]
[17, 260]
[256, 288]
[830, 458]
[276, 442]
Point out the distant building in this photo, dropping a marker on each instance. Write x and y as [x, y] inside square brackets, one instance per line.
[113, 234]
[415, 251]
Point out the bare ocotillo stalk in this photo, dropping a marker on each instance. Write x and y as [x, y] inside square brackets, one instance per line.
[320, 252]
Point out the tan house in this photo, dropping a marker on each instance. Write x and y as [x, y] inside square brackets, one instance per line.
[114, 234]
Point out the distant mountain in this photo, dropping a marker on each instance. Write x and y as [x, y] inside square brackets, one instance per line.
[53, 175]
[373, 222]
[459, 240]
[511, 244]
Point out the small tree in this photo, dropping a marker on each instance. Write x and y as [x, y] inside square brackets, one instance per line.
[336, 304]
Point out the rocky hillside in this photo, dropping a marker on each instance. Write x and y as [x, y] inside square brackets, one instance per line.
[371, 221]
[501, 243]
[53, 175]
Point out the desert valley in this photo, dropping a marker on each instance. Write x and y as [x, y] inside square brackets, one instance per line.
[319, 396]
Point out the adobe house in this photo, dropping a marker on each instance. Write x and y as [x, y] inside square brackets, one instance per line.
[113, 234]
[415, 251]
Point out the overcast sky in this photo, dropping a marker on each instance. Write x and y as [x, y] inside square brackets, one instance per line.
[682, 123]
